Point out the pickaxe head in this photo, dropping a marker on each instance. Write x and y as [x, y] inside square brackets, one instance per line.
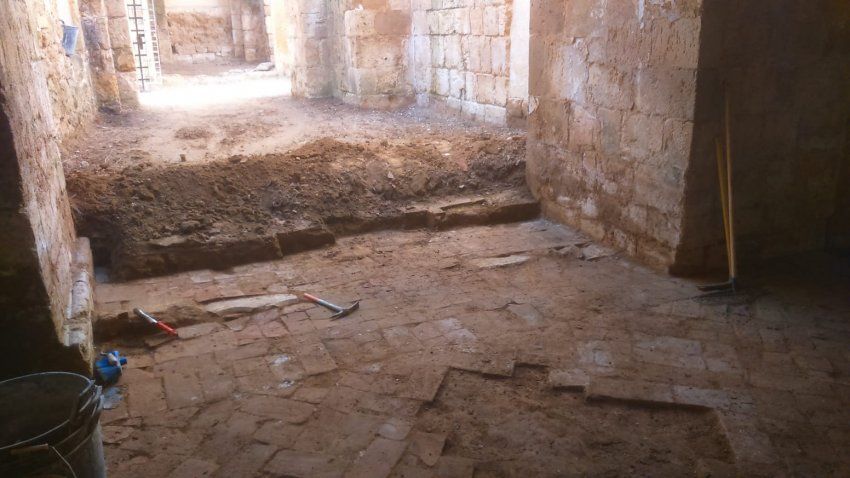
[343, 311]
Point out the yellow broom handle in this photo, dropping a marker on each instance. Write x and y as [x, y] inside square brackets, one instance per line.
[733, 265]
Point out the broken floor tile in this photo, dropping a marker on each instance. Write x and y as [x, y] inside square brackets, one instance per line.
[305, 465]
[495, 262]
[378, 460]
[315, 358]
[197, 330]
[427, 446]
[572, 379]
[194, 468]
[290, 411]
[278, 433]
[395, 429]
[250, 304]
[654, 393]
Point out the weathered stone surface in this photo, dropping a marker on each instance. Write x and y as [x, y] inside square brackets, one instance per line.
[249, 304]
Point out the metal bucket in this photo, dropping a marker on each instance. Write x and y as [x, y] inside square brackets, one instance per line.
[50, 426]
[69, 38]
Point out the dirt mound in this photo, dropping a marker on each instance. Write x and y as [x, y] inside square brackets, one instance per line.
[320, 181]
[192, 133]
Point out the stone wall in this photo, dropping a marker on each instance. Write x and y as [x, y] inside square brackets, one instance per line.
[787, 67]
[303, 46]
[612, 92]
[462, 52]
[68, 77]
[627, 100]
[370, 52]
[36, 230]
[122, 52]
[209, 30]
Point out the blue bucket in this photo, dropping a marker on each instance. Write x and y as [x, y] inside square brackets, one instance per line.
[69, 38]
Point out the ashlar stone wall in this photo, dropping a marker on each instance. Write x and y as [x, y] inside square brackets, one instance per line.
[462, 50]
[785, 65]
[36, 230]
[211, 30]
[627, 99]
[612, 92]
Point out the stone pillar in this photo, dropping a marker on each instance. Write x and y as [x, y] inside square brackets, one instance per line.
[236, 25]
[95, 27]
[375, 42]
[37, 237]
[309, 29]
[122, 53]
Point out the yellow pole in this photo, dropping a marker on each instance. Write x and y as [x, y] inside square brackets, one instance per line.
[733, 264]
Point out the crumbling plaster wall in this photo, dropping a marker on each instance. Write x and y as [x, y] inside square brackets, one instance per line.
[210, 30]
[786, 64]
[36, 230]
[612, 93]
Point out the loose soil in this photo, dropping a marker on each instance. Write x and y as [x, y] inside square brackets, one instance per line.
[346, 165]
[518, 426]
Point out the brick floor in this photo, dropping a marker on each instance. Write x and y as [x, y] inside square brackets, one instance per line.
[287, 392]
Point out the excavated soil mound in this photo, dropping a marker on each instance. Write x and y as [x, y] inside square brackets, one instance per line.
[320, 182]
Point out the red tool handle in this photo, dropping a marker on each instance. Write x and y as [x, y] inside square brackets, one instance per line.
[311, 298]
[166, 328]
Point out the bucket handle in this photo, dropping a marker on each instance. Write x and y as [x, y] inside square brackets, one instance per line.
[84, 400]
[43, 447]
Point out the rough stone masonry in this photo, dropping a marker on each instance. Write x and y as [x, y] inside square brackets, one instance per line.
[626, 100]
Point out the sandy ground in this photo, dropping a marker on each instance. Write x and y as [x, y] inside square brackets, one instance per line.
[230, 157]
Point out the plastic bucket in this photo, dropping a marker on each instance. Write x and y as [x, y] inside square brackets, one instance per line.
[69, 38]
[50, 426]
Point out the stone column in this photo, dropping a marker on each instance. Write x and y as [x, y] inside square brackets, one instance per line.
[104, 76]
[236, 24]
[122, 53]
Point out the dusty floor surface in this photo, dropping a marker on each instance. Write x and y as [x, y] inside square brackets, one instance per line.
[514, 350]
[254, 167]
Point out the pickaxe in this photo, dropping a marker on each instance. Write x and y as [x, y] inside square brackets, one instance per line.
[339, 312]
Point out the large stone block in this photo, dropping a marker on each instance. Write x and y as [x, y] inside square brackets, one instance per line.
[359, 22]
[377, 51]
[667, 92]
[454, 52]
[441, 82]
[642, 135]
[116, 8]
[476, 21]
[499, 55]
[495, 20]
[393, 22]
[611, 87]
[124, 60]
[438, 51]
[584, 128]
[457, 83]
[486, 88]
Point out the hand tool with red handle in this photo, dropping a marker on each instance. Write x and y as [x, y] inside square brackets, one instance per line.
[340, 312]
[144, 315]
